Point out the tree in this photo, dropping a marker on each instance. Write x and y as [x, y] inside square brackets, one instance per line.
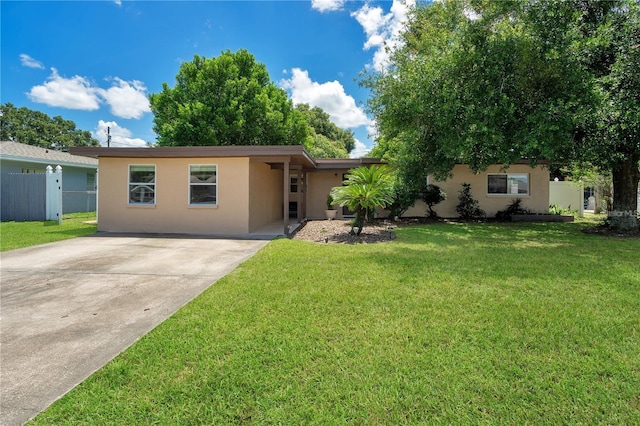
[228, 100]
[37, 128]
[431, 196]
[487, 83]
[325, 139]
[365, 188]
[404, 197]
[468, 207]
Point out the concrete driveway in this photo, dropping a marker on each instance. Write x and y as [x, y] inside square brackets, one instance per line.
[69, 307]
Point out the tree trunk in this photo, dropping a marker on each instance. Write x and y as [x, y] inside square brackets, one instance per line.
[359, 221]
[624, 214]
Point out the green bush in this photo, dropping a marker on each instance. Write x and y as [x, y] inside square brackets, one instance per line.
[468, 207]
[433, 195]
[556, 209]
[515, 207]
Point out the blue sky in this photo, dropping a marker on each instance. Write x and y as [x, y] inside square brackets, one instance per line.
[96, 62]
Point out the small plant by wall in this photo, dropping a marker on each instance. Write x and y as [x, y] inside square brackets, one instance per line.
[514, 208]
[431, 196]
[558, 210]
[468, 207]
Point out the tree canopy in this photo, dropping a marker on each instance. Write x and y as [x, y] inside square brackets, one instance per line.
[325, 139]
[227, 100]
[37, 128]
[487, 83]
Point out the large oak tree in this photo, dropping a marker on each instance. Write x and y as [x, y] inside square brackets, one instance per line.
[483, 82]
[325, 139]
[32, 127]
[226, 100]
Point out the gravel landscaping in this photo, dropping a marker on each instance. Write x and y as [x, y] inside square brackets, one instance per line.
[337, 231]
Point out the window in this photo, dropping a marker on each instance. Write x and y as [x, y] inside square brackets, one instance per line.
[512, 184]
[293, 184]
[91, 181]
[203, 184]
[142, 184]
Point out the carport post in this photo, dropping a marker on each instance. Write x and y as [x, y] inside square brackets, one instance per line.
[301, 195]
[285, 210]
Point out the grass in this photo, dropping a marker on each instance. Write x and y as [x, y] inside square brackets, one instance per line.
[451, 323]
[14, 235]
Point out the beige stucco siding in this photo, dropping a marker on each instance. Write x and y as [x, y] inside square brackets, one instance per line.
[319, 186]
[172, 212]
[266, 188]
[537, 200]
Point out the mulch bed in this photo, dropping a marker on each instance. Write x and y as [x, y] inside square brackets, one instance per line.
[337, 232]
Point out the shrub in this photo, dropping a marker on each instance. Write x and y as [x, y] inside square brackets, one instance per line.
[433, 195]
[515, 207]
[556, 209]
[468, 207]
[404, 198]
[330, 202]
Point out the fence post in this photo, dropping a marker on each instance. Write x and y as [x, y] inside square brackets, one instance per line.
[54, 194]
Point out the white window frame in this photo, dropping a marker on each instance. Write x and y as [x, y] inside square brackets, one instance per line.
[147, 184]
[190, 184]
[510, 187]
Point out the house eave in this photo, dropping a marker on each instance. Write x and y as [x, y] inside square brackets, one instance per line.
[271, 154]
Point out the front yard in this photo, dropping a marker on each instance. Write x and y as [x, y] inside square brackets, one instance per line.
[449, 323]
[14, 235]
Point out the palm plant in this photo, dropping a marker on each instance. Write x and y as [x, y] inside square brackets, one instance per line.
[365, 188]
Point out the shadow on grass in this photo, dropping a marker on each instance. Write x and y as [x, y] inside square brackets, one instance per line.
[499, 251]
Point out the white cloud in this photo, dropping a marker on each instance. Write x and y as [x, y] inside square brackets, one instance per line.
[327, 5]
[28, 61]
[360, 150]
[127, 99]
[120, 136]
[329, 96]
[73, 93]
[383, 30]
[118, 2]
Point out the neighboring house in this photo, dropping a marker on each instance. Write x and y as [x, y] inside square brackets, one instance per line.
[214, 190]
[494, 189]
[79, 173]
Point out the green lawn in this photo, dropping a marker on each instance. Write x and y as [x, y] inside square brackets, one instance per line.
[450, 323]
[15, 235]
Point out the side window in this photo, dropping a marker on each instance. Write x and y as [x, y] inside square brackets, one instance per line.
[293, 184]
[91, 181]
[142, 184]
[511, 184]
[203, 184]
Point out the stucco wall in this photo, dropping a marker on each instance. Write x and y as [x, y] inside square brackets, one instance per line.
[266, 199]
[319, 186]
[172, 212]
[537, 200]
[567, 194]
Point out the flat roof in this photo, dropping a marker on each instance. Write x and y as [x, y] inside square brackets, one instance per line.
[296, 154]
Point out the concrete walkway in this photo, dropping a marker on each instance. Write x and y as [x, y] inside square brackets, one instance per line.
[67, 308]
